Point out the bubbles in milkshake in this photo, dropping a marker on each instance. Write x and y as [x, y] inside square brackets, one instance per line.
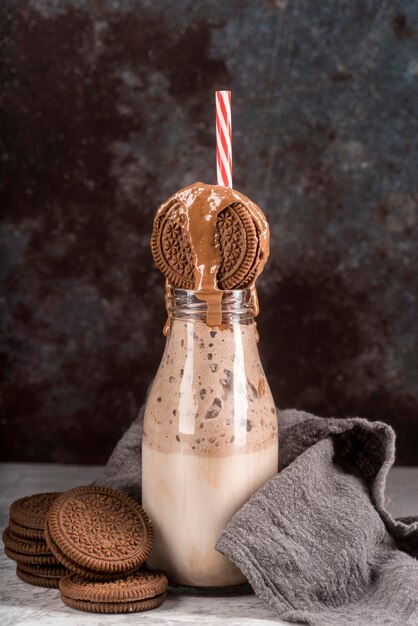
[221, 394]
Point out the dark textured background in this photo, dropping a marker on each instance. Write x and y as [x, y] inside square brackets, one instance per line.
[108, 108]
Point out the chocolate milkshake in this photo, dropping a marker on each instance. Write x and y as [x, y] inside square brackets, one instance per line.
[210, 431]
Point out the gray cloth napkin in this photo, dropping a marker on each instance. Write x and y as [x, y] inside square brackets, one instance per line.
[316, 541]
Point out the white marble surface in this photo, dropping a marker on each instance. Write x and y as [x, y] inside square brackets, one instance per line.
[29, 606]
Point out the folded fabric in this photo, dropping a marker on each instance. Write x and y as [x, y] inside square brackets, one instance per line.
[316, 541]
[124, 468]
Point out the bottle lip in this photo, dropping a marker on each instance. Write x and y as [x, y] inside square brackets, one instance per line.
[237, 305]
[235, 292]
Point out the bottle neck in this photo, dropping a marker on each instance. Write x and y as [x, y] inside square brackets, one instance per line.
[237, 306]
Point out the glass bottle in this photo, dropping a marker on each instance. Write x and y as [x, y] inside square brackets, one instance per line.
[210, 438]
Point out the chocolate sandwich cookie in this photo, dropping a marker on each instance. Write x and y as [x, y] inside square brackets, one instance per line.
[24, 546]
[140, 591]
[25, 533]
[38, 581]
[239, 247]
[76, 568]
[30, 512]
[172, 249]
[46, 571]
[98, 531]
[30, 559]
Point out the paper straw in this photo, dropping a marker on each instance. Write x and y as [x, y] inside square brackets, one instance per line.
[223, 138]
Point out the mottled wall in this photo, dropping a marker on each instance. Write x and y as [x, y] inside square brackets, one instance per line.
[107, 109]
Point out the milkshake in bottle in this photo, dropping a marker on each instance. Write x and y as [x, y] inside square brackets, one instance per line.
[210, 430]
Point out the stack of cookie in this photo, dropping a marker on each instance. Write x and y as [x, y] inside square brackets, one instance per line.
[24, 541]
[99, 538]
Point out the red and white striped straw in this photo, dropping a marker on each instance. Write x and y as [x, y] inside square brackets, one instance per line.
[223, 138]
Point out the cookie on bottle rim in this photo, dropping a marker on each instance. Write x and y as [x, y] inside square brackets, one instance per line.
[239, 247]
[30, 511]
[24, 546]
[99, 529]
[38, 581]
[140, 591]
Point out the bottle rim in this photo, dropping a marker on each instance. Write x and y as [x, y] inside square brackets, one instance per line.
[236, 305]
